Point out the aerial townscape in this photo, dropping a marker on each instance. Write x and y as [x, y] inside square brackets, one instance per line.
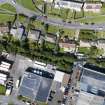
[52, 52]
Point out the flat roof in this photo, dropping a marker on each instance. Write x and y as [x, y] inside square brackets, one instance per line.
[35, 86]
[89, 99]
[94, 68]
[93, 82]
[59, 76]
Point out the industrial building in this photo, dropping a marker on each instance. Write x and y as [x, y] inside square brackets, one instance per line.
[36, 84]
[77, 6]
[92, 86]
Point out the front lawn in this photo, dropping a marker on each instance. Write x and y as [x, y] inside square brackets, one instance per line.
[2, 90]
[5, 18]
[8, 7]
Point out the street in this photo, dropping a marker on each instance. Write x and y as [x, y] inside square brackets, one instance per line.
[53, 21]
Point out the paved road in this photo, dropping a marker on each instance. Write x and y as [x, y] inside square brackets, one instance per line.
[4, 100]
[71, 100]
[53, 21]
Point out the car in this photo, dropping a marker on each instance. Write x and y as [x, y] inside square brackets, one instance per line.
[100, 28]
[69, 22]
[49, 99]
[13, 1]
[92, 23]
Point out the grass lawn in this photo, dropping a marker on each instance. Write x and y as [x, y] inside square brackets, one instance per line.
[8, 7]
[28, 4]
[99, 19]
[41, 103]
[23, 98]
[11, 103]
[2, 90]
[5, 18]
[84, 50]
[100, 34]
[50, 45]
[87, 35]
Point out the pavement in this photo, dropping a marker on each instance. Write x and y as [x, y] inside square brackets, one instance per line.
[4, 100]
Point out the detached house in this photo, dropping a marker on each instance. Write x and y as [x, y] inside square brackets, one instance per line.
[34, 34]
[18, 32]
[51, 38]
[92, 7]
[67, 45]
[4, 30]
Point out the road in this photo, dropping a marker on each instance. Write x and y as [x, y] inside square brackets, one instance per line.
[4, 100]
[53, 21]
[71, 100]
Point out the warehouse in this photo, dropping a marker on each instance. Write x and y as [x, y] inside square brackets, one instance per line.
[36, 84]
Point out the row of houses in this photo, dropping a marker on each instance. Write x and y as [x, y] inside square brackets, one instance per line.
[76, 5]
[65, 43]
[4, 72]
[36, 35]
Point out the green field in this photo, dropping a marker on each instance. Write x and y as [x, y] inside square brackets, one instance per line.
[2, 90]
[5, 18]
[8, 7]
[28, 4]
[99, 19]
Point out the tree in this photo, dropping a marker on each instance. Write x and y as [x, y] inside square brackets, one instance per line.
[44, 32]
[59, 34]
[94, 52]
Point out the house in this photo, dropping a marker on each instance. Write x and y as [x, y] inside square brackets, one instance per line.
[88, 44]
[92, 7]
[5, 66]
[34, 34]
[18, 32]
[61, 78]
[4, 30]
[101, 43]
[92, 85]
[77, 6]
[67, 45]
[49, 1]
[3, 78]
[51, 38]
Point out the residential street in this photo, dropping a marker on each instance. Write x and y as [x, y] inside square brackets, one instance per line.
[53, 21]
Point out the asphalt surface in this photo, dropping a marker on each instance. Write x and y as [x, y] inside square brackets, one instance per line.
[4, 100]
[53, 21]
[71, 100]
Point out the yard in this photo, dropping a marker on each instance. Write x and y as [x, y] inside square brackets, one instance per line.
[28, 4]
[87, 35]
[54, 29]
[41, 103]
[6, 17]
[84, 50]
[2, 90]
[8, 7]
